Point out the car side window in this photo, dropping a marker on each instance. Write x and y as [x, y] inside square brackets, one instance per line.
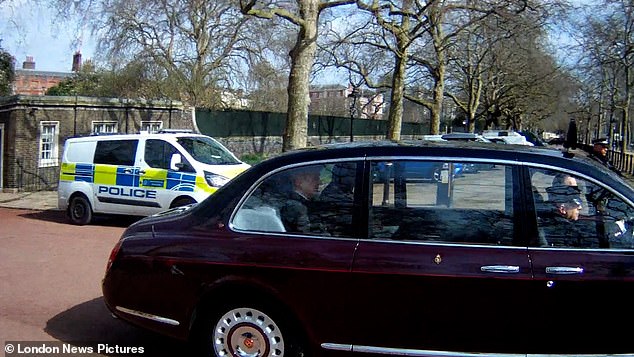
[573, 212]
[311, 200]
[441, 202]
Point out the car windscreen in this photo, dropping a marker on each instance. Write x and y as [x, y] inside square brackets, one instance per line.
[207, 150]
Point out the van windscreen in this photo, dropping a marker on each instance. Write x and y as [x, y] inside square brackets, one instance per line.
[207, 150]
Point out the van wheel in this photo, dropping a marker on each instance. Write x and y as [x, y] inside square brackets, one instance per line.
[182, 201]
[79, 210]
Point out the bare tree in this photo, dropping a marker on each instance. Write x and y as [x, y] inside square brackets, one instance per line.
[418, 36]
[267, 87]
[607, 37]
[199, 45]
[305, 15]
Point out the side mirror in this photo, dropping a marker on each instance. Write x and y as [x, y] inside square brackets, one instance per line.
[176, 162]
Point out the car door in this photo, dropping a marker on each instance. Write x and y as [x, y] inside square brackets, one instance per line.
[583, 268]
[443, 267]
[303, 245]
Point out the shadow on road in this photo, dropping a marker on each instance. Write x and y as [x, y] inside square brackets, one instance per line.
[90, 323]
[57, 216]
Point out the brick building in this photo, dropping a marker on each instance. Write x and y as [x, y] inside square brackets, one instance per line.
[346, 101]
[29, 81]
[33, 130]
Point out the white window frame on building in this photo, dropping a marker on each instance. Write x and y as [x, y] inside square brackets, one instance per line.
[151, 126]
[48, 143]
[105, 127]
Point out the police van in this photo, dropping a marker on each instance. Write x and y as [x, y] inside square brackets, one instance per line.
[141, 174]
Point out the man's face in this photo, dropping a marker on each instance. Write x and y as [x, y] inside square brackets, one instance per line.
[604, 151]
[570, 210]
[571, 213]
[307, 183]
[570, 181]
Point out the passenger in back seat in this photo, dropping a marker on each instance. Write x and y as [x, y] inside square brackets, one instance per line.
[294, 212]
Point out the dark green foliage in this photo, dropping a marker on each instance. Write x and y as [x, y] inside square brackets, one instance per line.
[7, 74]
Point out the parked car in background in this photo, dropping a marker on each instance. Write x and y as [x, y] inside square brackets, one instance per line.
[506, 137]
[532, 137]
[510, 261]
[557, 141]
[464, 137]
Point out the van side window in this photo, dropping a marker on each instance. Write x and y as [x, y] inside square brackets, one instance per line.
[158, 154]
[116, 152]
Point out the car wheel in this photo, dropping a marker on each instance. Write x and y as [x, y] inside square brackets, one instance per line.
[183, 201]
[247, 331]
[79, 210]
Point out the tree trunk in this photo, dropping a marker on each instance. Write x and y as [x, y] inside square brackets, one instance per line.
[439, 76]
[395, 116]
[626, 109]
[302, 57]
[436, 105]
[471, 119]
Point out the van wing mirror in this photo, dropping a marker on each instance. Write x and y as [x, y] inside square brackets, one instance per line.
[176, 162]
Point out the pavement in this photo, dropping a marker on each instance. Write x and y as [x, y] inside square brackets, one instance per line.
[40, 201]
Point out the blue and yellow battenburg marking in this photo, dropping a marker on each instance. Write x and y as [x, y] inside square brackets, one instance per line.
[127, 176]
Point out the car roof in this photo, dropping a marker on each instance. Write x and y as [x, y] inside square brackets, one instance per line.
[577, 160]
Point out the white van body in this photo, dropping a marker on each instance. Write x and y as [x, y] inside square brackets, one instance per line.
[141, 174]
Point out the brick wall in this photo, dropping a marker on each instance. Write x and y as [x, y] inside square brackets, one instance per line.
[31, 82]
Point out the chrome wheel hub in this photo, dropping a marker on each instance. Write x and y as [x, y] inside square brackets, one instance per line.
[245, 332]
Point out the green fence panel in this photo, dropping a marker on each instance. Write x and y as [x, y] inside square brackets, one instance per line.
[239, 123]
[252, 123]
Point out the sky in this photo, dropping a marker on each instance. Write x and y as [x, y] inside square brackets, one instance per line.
[28, 30]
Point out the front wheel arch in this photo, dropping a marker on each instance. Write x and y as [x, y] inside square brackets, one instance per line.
[182, 201]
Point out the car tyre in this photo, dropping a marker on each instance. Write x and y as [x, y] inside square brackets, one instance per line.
[79, 210]
[247, 330]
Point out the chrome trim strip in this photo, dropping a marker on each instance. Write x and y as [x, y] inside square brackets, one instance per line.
[431, 353]
[336, 347]
[145, 315]
[410, 352]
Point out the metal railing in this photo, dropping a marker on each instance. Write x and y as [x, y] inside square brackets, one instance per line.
[28, 178]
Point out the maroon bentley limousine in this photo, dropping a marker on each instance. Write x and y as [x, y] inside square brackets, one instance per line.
[345, 250]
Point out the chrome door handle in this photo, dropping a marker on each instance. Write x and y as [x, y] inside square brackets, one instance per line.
[127, 171]
[564, 270]
[508, 269]
[142, 172]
